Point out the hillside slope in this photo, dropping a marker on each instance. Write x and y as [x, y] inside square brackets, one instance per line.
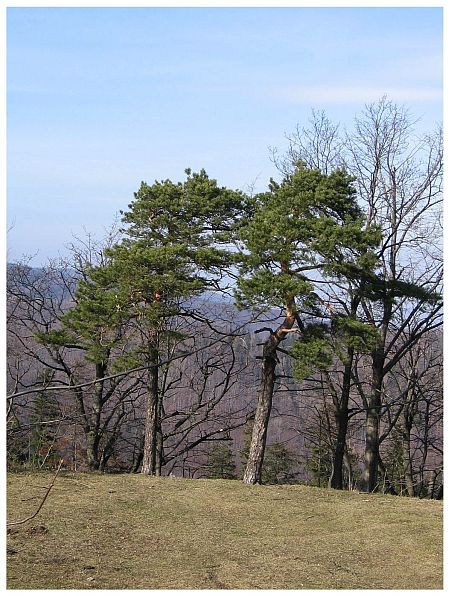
[131, 531]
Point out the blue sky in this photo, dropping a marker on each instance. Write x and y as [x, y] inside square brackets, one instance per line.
[100, 99]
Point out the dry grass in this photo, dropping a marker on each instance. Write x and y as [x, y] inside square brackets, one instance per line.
[131, 531]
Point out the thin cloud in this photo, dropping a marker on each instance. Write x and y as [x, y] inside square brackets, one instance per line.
[355, 94]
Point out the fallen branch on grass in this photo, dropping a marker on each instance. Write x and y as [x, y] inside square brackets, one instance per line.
[22, 521]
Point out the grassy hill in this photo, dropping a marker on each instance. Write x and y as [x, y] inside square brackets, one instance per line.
[131, 531]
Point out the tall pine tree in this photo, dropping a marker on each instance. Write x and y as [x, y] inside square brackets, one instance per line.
[306, 225]
[175, 247]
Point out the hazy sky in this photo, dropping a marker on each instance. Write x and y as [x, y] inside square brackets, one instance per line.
[100, 99]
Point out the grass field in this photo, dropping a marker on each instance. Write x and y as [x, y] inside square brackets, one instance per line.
[131, 531]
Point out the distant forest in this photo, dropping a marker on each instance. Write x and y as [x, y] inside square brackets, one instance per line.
[287, 336]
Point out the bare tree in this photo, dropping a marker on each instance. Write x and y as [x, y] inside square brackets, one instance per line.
[319, 145]
[399, 178]
[399, 182]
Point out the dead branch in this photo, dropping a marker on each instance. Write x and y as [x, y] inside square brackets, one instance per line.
[22, 521]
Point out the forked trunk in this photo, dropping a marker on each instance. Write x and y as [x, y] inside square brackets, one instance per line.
[255, 460]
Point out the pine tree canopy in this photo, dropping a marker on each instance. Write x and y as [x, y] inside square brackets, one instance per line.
[177, 236]
[308, 221]
[176, 245]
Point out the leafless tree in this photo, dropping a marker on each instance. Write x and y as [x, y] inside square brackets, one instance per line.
[399, 181]
[399, 178]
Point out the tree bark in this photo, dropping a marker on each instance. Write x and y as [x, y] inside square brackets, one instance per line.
[151, 416]
[407, 459]
[341, 417]
[159, 439]
[348, 465]
[92, 456]
[371, 454]
[255, 460]
[93, 433]
[337, 477]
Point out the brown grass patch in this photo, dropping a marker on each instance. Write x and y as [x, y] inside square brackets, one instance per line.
[132, 531]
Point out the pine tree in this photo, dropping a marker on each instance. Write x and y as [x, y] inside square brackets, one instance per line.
[399, 184]
[278, 464]
[278, 461]
[175, 247]
[221, 462]
[94, 327]
[309, 222]
[319, 464]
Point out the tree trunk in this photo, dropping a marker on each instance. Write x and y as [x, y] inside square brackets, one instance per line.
[337, 477]
[407, 459]
[255, 460]
[341, 417]
[137, 457]
[159, 440]
[370, 473]
[371, 455]
[151, 416]
[92, 442]
[93, 434]
[348, 465]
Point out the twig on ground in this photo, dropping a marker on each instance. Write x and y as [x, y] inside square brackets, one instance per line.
[22, 521]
